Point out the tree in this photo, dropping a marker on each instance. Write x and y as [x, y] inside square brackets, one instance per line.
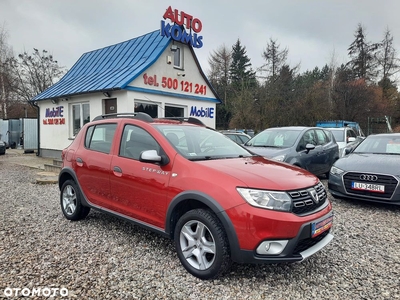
[241, 73]
[389, 65]
[34, 73]
[5, 73]
[362, 54]
[220, 61]
[275, 59]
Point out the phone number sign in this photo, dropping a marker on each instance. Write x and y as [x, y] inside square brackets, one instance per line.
[174, 84]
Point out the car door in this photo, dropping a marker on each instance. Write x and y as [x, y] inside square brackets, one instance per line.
[309, 160]
[325, 154]
[93, 163]
[139, 188]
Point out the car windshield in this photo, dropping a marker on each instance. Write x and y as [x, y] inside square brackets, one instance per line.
[380, 144]
[276, 138]
[339, 135]
[200, 143]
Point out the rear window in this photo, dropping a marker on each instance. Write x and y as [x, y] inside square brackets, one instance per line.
[99, 137]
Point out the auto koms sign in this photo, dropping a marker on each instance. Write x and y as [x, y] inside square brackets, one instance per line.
[176, 30]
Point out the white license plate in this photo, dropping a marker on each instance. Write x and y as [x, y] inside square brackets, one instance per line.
[368, 187]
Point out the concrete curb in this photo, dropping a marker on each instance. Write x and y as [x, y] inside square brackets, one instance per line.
[31, 160]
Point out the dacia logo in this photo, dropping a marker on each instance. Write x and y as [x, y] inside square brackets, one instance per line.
[314, 195]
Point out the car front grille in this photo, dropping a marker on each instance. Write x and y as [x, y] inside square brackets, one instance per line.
[390, 183]
[303, 202]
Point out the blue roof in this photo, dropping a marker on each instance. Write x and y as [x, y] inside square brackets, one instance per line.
[110, 68]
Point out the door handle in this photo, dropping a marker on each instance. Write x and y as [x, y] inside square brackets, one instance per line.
[117, 171]
[79, 162]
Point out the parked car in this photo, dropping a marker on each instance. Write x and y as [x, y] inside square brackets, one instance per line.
[216, 200]
[310, 148]
[346, 138]
[3, 147]
[370, 172]
[238, 137]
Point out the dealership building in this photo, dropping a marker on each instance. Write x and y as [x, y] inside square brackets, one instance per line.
[157, 73]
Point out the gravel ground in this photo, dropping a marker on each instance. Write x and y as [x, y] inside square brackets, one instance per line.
[103, 257]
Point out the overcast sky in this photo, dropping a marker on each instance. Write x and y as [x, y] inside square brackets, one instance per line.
[314, 32]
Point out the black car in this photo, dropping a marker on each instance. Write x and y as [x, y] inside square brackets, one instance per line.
[310, 148]
[3, 147]
[370, 172]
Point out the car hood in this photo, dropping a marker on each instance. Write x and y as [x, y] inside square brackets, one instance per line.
[258, 172]
[267, 151]
[376, 163]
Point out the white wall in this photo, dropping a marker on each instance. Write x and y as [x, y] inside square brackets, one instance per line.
[59, 136]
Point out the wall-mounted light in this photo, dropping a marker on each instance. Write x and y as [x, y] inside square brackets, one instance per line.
[174, 48]
[107, 94]
[54, 101]
[181, 74]
[65, 99]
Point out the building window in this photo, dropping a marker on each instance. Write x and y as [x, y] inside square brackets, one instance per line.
[80, 116]
[173, 111]
[178, 58]
[148, 108]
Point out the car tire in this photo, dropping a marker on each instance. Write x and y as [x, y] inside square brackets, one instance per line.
[71, 202]
[201, 244]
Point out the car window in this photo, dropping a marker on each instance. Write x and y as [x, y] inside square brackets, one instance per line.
[339, 135]
[198, 143]
[380, 145]
[322, 139]
[243, 139]
[99, 137]
[277, 138]
[351, 133]
[135, 140]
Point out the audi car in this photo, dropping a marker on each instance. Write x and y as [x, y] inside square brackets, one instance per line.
[370, 172]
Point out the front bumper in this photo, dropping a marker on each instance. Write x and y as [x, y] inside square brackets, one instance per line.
[336, 187]
[298, 248]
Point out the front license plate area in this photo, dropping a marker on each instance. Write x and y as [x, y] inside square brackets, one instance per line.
[319, 227]
[372, 187]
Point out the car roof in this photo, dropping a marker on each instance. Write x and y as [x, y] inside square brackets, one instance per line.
[298, 128]
[338, 128]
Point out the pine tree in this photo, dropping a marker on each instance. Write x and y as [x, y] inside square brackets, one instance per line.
[362, 54]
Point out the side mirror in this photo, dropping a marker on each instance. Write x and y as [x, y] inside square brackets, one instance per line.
[351, 139]
[151, 156]
[309, 147]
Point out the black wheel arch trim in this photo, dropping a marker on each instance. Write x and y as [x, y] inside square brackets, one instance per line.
[210, 202]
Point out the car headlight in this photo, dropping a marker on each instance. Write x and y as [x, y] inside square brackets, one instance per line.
[266, 199]
[279, 157]
[335, 171]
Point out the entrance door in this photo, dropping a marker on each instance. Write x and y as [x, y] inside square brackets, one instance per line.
[110, 106]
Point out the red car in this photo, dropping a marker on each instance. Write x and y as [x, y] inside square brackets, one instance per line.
[215, 199]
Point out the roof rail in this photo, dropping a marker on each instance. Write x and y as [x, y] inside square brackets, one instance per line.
[138, 115]
[190, 120]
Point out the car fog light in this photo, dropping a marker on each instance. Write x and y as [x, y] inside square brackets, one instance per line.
[271, 247]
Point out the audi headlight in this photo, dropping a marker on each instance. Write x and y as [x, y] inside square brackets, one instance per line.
[266, 199]
[336, 171]
[279, 157]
